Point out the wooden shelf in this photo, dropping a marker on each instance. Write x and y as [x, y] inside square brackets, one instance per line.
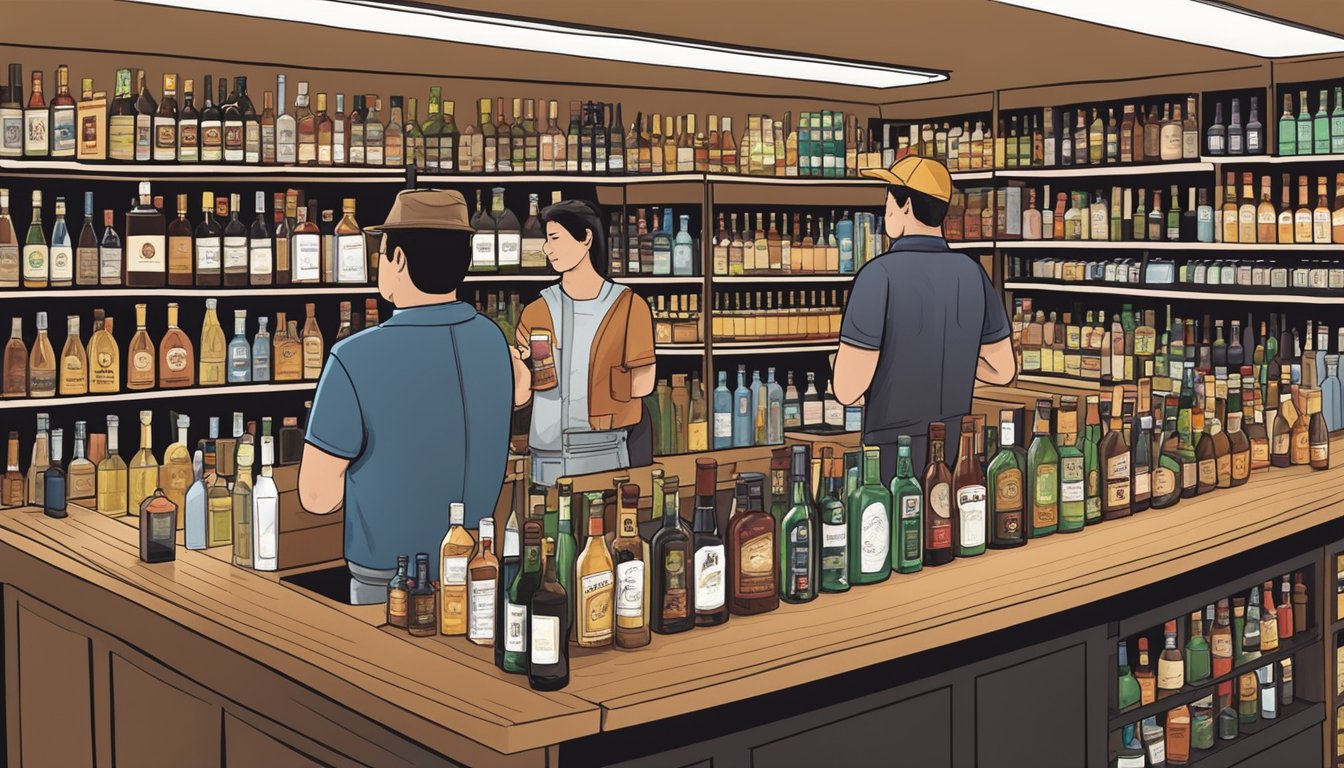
[827, 278]
[1163, 245]
[1121, 289]
[171, 291]
[692, 350]
[1063, 381]
[971, 244]
[1255, 739]
[771, 348]
[1272, 159]
[557, 178]
[1142, 169]
[38, 403]
[657, 279]
[1298, 644]
[75, 169]
[494, 277]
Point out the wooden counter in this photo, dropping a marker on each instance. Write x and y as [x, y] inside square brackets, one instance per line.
[270, 667]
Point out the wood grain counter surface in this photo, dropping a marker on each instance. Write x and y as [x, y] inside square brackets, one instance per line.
[446, 694]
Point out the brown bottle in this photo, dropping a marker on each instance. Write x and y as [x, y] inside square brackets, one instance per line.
[939, 524]
[177, 359]
[1113, 455]
[753, 579]
[11, 487]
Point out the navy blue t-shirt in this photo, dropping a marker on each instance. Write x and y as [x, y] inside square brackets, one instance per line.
[927, 309]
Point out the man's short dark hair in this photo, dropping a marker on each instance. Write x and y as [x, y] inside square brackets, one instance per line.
[436, 259]
[928, 210]
[576, 216]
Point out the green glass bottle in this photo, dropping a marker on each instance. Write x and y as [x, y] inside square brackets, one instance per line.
[1127, 685]
[1185, 428]
[1198, 661]
[835, 530]
[1320, 127]
[779, 484]
[1337, 123]
[517, 601]
[1167, 473]
[566, 546]
[869, 523]
[1091, 461]
[1304, 131]
[1287, 128]
[1072, 467]
[1042, 475]
[35, 265]
[907, 535]
[1006, 486]
[798, 553]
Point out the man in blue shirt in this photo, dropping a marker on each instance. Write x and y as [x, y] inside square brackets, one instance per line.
[923, 323]
[412, 414]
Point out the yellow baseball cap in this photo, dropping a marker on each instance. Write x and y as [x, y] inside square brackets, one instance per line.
[917, 173]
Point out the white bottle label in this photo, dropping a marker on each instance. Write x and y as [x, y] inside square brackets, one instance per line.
[454, 571]
[630, 589]
[971, 508]
[483, 250]
[307, 258]
[109, 264]
[11, 133]
[351, 266]
[35, 262]
[511, 547]
[145, 253]
[515, 628]
[266, 512]
[723, 425]
[207, 253]
[63, 131]
[709, 592]
[482, 605]
[682, 259]
[833, 536]
[510, 250]
[235, 253]
[262, 257]
[875, 538]
[545, 639]
[62, 263]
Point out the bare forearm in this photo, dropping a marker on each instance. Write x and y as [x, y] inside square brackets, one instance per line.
[522, 383]
[643, 380]
[986, 371]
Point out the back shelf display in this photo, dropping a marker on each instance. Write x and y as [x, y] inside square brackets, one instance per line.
[1097, 134]
[1247, 274]
[795, 242]
[776, 316]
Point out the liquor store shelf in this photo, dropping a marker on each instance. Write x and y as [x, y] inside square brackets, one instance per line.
[783, 278]
[87, 564]
[259, 290]
[1257, 738]
[74, 169]
[1163, 245]
[1120, 289]
[692, 350]
[157, 394]
[1299, 644]
[772, 347]
[1063, 381]
[1106, 170]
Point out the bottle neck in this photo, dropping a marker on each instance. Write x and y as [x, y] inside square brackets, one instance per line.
[903, 465]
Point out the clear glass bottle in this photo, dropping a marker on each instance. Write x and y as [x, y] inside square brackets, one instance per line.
[112, 476]
[240, 352]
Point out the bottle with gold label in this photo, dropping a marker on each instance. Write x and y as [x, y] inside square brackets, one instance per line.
[104, 357]
[112, 475]
[143, 477]
[214, 347]
[1043, 475]
[312, 346]
[1299, 453]
[140, 355]
[41, 362]
[177, 473]
[454, 558]
[176, 362]
[218, 503]
[81, 475]
[1006, 488]
[595, 580]
[73, 376]
[242, 500]
[12, 486]
[287, 352]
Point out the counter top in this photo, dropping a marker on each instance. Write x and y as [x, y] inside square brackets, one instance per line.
[446, 693]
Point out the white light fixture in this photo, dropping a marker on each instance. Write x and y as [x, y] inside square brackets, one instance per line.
[528, 35]
[1194, 21]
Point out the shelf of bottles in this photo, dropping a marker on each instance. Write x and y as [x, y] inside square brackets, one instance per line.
[1202, 681]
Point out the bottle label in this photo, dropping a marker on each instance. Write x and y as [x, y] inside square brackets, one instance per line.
[307, 258]
[1320, 452]
[1045, 495]
[834, 545]
[34, 262]
[267, 515]
[1208, 472]
[510, 249]
[756, 563]
[142, 361]
[351, 266]
[723, 425]
[630, 591]
[235, 253]
[62, 263]
[483, 251]
[1241, 465]
[481, 624]
[545, 639]
[1072, 476]
[1170, 674]
[1142, 483]
[11, 133]
[595, 596]
[1281, 444]
[876, 537]
[312, 353]
[454, 571]
[145, 253]
[709, 591]
[176, 358]
[940, 524]
[207, 254]
[261, 257]
[911, 510]
[674, 593]
[800, 558]
[971, 509]
[515, 628]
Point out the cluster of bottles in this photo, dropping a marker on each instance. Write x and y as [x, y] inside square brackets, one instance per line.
[758, 412]
[1308, 133]
[212, 493]
[1066, 137]
[290, 354]
[1218, 641]
[1302, 275]
[842, 248]
[810, 315]
[637, 249]
[220, 250]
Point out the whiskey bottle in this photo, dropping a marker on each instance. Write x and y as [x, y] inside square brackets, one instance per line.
[12, 484]
[454, 557]
[312, 346]
[709, 573]
[627, 551]
[266, 508]
[1114, 456]
[351, 259]
[799, 553]
[242, 501]
[1170, 665]
[104, 357]
[193, 510]
[422, 621]
[42, 363]
[143, 473]
[176, 473]
[53, 479]
[482, 586]
[176, 362]
[287, 351]
[518, 603]
[753, 578]
[218, 503]
[834, 523]
[306, 248]
[398, 595]
[1043, 475]
[939, 526]
[595, 582]
[74, 365]
[111, 475]
[548, 653]
[145, 262]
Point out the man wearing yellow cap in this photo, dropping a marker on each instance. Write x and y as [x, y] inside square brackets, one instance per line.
[922, 324]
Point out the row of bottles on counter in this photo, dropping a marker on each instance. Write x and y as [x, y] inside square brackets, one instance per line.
[843, 247]
[134, 126]
[1083, 136]
[151, 251]
[758, 412]
[798, 315]
[638, 249]
[210, 494]
[1230, 634]
[1264, 274]
[95, 367]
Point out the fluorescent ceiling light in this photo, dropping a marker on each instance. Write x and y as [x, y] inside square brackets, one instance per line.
[528, 35]
[1195, 21]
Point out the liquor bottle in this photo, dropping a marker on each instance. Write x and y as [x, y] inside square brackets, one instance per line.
[939, 525]
[1005, 485]
[627, 552]
[265, 505]
[1144, 674]
[709, 574]
[111, 483]
[9, 242]
[1197, 655]
[869, 523]
[53, 479]
[422, 620]
[1220, 642]
[165, 123]
[351, 259]
[145, 262]
[214, 348]
[176, 473]
[16, 362]
[743, 430]
[74, 363]
[560, 527]
[241, 493]
[455, 554]
[595, 582]
[1170, 665]
[907, 500]
[36, 121]
[1269, 621]
[398, 594]
[518, 602]
[673, 591]
[305, 129]
[1043, 475]
[234, 136]
[61, 254]
[286, 128]
[1127, 686]
[374, 129]
[1318, 435]
[753, 578]
[1288, 129]
[143, 473]
[239, 352]
[42, 363]
[355, 144]
[533, 258]
[798, 554]
[1114, 456]
[836, 542]
[41, 459]
[548, 653]
[1250, 634]
[12, 484]
[81, 475]
[482, 586]
[1072, 467]
[306, 249]
[36, 261]
[176, 364]
[211, 126]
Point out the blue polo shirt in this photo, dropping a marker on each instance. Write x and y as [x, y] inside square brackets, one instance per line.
[421, 406]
